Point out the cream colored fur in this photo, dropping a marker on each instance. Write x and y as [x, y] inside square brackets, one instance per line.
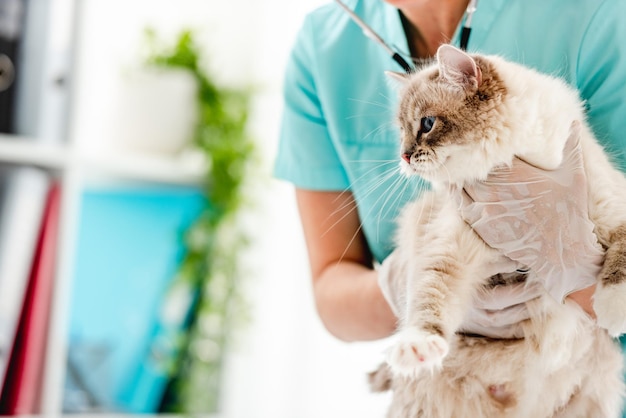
[566, 366]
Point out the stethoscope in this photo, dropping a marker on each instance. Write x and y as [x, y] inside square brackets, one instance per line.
[369, 32]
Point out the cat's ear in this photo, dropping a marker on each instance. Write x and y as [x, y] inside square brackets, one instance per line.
[458, 68]
[401, 78]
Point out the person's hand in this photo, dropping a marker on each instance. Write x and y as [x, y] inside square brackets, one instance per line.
[496, 312]
[540, 219]
[499, 312]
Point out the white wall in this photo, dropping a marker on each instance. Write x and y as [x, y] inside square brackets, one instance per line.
[288, 365]
[285, 365]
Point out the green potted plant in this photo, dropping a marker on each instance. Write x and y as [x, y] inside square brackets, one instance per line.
[210, 269]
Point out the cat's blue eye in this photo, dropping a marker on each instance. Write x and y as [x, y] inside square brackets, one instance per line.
[427, 124]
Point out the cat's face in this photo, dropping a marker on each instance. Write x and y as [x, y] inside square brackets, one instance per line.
[447, 116]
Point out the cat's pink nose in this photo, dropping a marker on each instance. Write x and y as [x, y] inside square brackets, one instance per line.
[406, 157]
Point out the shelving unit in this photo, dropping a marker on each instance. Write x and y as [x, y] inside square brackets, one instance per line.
[61, 138]
[74, 168]
[184, 169]
[25, 150]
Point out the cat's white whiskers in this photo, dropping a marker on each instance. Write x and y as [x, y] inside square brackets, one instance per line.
[391, 191]
[395, 186]
[379, 164]
[379, 183]
[382, 180]
[399, 197]
[387, 106]
[355, 181]
[379, 129]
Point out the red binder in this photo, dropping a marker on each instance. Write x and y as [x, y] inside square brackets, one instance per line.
[22, 388]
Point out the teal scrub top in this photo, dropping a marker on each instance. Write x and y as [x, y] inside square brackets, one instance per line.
[338, 129]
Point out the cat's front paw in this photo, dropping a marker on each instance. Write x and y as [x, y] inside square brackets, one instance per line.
[415, 351]
[609, 304]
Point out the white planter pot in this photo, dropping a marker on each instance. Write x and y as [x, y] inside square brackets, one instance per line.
[154, 111]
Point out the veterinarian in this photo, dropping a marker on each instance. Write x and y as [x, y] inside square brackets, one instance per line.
[339, 145]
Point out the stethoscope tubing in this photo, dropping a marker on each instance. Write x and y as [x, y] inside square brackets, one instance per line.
[370, 33]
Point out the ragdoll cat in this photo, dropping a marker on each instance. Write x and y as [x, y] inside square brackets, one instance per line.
[460, 118]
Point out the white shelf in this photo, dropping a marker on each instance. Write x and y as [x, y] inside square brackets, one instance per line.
[183, 169]
[75, 167]
[25, 150]
[186, 168]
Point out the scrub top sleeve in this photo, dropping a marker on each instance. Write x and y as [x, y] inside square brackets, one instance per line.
[306, 155]
[601, 77]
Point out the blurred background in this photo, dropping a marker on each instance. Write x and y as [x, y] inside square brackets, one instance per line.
[149, 262]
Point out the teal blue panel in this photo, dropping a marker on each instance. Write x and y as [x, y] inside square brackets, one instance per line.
[128, 249]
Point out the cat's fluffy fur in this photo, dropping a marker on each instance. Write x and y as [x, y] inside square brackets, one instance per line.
[488, 112]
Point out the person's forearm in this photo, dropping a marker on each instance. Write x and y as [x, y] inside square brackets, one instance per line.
[351, 304]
